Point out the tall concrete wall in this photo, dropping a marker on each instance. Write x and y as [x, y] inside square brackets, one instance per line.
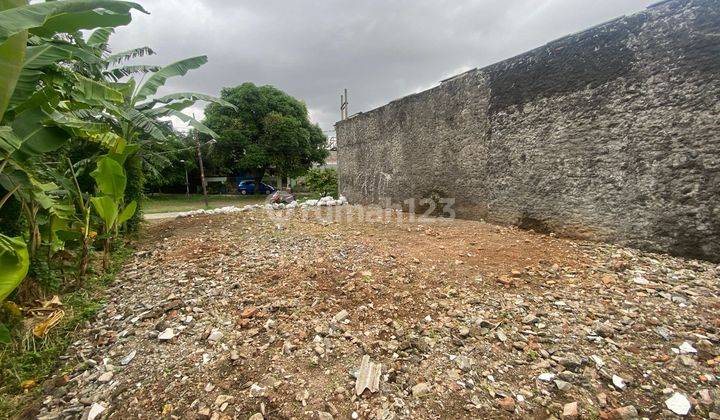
[610, 134]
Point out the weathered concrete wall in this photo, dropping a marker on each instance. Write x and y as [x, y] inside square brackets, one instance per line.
[611, 134]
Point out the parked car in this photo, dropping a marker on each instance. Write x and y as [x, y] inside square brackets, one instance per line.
[248, 187]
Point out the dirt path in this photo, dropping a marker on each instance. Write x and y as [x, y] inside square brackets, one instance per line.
[229, 316]
[161, 216]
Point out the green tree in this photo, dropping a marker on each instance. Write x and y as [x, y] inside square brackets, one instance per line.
[268, 132]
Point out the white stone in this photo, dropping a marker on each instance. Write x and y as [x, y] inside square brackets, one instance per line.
[678, 404]
[686, 348]
[105, 377]
[546, 377]
[341, 316]
[257, 391]
[599, 362]
[215, 336]
[641, 280]
[95, 410]
[127, 359]
[618, 382]
[166, 335]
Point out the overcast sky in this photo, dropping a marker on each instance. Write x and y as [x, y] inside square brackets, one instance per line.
[379, 50]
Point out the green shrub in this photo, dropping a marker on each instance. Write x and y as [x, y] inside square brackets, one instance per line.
[322, 181]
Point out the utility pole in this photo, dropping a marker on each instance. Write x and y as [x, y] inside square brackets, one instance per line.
[202, 168]
[344, 105]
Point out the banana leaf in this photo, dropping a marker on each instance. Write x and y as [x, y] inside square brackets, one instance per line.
[106, 208]
[49, 18]
[127, 212]
[12, 55]
[110, 178]
[14, 264]
[158, 79]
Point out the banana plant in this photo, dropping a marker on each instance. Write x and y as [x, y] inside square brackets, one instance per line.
[27, 132]
[111, 180]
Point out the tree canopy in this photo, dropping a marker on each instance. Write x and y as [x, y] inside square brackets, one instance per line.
[269, 131]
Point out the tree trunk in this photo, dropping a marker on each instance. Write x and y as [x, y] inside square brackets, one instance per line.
[106, 254]
[257, 178]
[84, 260]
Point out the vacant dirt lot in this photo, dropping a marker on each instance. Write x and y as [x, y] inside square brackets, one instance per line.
[231, 316]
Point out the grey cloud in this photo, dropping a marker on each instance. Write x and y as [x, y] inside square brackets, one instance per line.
[379, 50]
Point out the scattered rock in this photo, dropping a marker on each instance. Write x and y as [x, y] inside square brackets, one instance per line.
[105, 377]
[127, 359]
[687, 348]
[507, 404]
[546, 377]
[562, 385]
[248, 312]
[570, 411]
[166, 335]
[464, 363]
[252, 312]
[628, 412]
[95, 410]
[678, 404]
[341, 316]
[464, 331]
[618, 382]
[423, 388]
[215, 336]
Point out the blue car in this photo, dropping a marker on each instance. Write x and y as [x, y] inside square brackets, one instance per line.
[248, 187]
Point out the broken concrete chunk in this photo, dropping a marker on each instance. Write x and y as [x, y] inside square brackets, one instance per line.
[257, 391]
[562, 385]
[341, 316]
[215, 336]
[678, 404]
[166, 335]
[687, 348]
[570, 411]
[618, 382]
[368, 376]
[95, 410]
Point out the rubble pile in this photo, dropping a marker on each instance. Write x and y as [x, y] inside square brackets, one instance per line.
[327, 201]
[229, 317]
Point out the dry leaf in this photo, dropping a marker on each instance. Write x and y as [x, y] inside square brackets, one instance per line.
[27, 384]
[41, 329]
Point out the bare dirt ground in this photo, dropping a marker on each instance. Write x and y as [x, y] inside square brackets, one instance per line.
[233, 316]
